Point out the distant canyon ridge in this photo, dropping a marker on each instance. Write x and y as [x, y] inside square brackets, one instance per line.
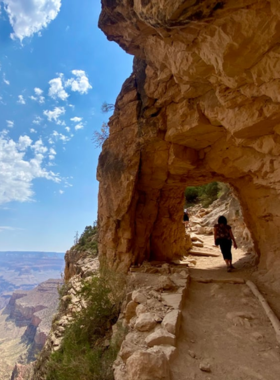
[24, 270]
[29, 284]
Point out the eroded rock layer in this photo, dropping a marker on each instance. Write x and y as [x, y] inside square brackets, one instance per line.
[202, 104]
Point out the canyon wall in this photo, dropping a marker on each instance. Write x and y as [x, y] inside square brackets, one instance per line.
[201, 104]
[24, 327]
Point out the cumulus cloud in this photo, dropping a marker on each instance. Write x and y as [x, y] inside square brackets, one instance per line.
[59, 136]
[55, 114]
[79, 83]
[20, 163]
[37, 120]
[32, 130]
[38, 97]
[67, 129]
[76, 119]
[52, 154]
[10, 123]
[79, 126]
[24, 142]
[21, 99]
[56, 89]
[39, 147]
[61, 191]
[61, 122]
[30, 16]
[38, 91]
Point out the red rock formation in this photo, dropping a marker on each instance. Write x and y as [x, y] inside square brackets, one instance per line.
[202, 104]
[21, 372]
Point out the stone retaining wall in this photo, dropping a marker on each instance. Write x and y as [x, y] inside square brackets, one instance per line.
[152, 315]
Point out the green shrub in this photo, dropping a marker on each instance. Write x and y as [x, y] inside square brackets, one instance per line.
[88, 241]
[84, 353]
[205, 194]
[191, 194]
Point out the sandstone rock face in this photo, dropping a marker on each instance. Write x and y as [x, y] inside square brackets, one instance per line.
[202, 104]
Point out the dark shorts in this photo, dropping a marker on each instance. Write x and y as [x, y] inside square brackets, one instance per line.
[225, 246]
[186, 218]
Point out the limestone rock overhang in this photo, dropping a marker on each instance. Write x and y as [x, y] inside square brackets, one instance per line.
[202, 104]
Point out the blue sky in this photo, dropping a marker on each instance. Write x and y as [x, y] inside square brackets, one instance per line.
[57, 68]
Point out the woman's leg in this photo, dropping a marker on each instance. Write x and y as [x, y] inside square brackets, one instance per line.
[225, 246]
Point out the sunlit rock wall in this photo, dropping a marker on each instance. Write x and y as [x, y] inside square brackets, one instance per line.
[202, 104]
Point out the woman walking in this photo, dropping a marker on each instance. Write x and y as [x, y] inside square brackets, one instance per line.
[223, 237]
[186, 219]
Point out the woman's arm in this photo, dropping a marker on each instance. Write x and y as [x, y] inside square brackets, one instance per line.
[232, 238]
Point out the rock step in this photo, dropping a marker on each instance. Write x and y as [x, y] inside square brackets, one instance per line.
[196, 252]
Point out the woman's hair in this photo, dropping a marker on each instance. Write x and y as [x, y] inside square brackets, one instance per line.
[222, 220]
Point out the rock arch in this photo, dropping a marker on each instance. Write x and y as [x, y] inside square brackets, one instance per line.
[202, 104]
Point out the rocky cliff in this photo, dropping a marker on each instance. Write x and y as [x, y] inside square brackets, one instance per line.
[202, 104]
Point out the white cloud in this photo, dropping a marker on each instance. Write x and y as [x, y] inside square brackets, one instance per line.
[30, 16]
[37, 120]
[32, 130]
[55, 114]
[79, 126]
[10, 123]
[4, 132]
[56, 89]
[61, 122]
[39, 147]
[21, 99]
[61, 191]
[6, 80]
[38, 91]
[52, 154]
[67, 129]
[76, 119]
[59, 136]
[17, 172]
[24, 142]
[80, 83]
[38, 95]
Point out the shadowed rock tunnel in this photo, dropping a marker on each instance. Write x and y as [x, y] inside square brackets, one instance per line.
[201, 105]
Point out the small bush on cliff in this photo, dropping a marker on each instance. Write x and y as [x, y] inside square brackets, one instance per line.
[85, 352]
[88, 240]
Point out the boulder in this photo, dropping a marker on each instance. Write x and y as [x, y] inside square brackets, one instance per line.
[171, 322]
[164, 283]
[169, 351]
[139, 297]
[130, 310]
[140, 309]
[174, 300]
[160, 336]
[145, 365]
[145, 322]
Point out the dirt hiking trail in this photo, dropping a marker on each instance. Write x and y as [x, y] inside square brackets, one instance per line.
[225, 333]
